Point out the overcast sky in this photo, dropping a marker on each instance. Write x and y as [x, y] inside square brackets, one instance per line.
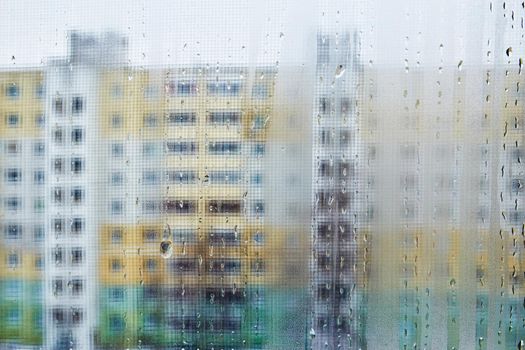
[159, 31]
[243, 31]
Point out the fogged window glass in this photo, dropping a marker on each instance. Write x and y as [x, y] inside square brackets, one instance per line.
[276, 174]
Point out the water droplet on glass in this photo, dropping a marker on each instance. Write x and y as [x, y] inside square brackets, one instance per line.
[167, 232]
[339, 71]
[166, 249]
[312, 333]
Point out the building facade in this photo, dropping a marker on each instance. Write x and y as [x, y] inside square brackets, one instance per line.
[337, 301]
[142, 190]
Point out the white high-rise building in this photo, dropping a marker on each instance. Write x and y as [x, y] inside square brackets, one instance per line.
[335, 205]
[73, 185]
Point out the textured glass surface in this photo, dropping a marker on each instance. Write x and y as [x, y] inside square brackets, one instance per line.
[282, 174]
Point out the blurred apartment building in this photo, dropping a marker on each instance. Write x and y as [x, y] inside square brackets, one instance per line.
[441, 177]
[102, 162]
[417, 204]
[338, 297]
[23, 194]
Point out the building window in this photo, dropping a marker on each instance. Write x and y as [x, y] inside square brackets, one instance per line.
[180, 176]
[225, 266]
[77, 195]
[13, 260]
[151, 322]
[37, 316]
[12, 91]
[38, 177]
[77, 136]
[150, 177]
[39, 91]
[58, 286]
[77, 225]
[184, 235]
[116, 121]
[116, 323]
[77, 255]
[150, 235]
[326, 169]
[13, 317]
[181, 147]
[59, 318]
[224, 177]
[39, 263]
[40, 121]
[12, 288]
[77, 105]
[150, 120]
[149, 149]
[345, 105]
[77, 165]
[39, 148]
[13, 175]
[58, 105]
[325, 137]
[38, 233]
[258, 237]
[116, 265]
[224, 117]
[150, 206]
[258, 208]
[224, 147]
[13, 147]
[12, 120]
[58, 195]
[117, 178]
[184, 265]
[13, 231]
[517, 185]
[259, 122]
[38, 205]
[258, 149]
[224, 206]
[324, 105]
[224, 88]
[179, 206]
[116, 236]
[260, 91]
[117, 207]
[13, 203]
[117, 150]
[76, 314]
[77, 286]
[222, 236]
[116, 91]
[151, 92]
[58, 255]
[186, 88]
[116, 294]
[257, 266]
[150, 265]
[182, 118]
[58, 135]
[256, 179]
[58, 226]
